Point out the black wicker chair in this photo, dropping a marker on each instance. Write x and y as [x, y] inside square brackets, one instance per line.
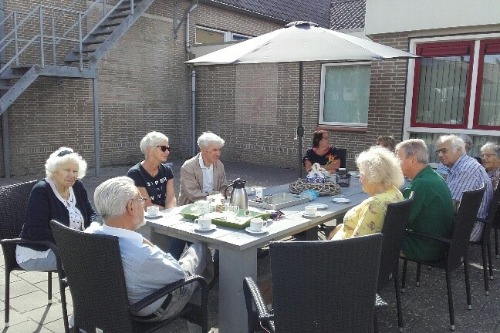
[94, 270]
[320, 286]
[13, 207]
[456, 254]
[496, 226]
[485, 241]
[393, 230]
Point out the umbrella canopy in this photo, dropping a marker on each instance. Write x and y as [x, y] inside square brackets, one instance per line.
[300, 42]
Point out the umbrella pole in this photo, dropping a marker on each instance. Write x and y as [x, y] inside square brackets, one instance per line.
[300, 128]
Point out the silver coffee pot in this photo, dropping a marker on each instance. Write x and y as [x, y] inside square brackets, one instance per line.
[239, 196]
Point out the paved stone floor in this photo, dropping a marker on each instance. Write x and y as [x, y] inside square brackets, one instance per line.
[425, 308]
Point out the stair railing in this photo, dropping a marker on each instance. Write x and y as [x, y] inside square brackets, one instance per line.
[36, 14]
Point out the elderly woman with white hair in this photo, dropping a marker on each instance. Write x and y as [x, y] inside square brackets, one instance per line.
[380, 177]
[490, 158]
[153, 178]
[60, 196]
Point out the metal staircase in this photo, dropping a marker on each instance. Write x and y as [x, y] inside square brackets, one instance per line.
[24, 56]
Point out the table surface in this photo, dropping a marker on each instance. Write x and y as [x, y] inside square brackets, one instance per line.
[238, 248]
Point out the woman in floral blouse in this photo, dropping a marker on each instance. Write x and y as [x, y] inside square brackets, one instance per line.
[381, 177]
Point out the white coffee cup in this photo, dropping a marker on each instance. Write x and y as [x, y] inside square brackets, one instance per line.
[257, 224]
[203, 207]
[153, 210]
[310, 210]
[204, 222]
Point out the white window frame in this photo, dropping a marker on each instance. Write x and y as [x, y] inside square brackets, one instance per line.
[322, 95]
[407, 128]
[228, 35]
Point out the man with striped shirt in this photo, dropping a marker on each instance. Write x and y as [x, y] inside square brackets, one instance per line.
[464, 174]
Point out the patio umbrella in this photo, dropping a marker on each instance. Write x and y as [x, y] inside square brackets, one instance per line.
[299, 42]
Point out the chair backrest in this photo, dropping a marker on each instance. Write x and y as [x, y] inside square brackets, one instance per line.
[13, 206]
[462, 227]
[93, 266]
[494, 210]
[325, 286]
[342, 155]
[395, 221]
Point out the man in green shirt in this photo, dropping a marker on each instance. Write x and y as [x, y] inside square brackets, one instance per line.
[432, 208]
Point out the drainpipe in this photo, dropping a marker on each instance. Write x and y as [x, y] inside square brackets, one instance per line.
[193, 84]
[193, 111]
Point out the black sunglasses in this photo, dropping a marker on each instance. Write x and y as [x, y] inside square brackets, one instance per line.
[164, 148]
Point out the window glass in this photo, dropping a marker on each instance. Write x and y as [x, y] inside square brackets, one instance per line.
[208, 36]
[346, 91]
[442, 90]
[489, 107]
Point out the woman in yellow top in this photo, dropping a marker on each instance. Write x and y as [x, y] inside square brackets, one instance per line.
[381, 177]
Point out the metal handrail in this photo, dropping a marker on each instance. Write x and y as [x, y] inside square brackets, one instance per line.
[36, 14]
[39, 13]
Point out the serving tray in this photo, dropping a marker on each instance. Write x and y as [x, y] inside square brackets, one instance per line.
[241, 221]
[279, 201]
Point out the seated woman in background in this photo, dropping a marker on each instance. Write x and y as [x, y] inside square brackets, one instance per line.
[386, 141]
[322, 153]
[60, 196]
[490, 158]
[154, 178]
[380, 176]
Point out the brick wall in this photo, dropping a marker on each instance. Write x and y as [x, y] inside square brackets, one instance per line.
[388, 91]
[144, 85]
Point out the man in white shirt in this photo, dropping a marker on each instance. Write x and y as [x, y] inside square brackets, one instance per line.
[146, 267]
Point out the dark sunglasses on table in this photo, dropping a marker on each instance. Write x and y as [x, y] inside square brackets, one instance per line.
[164, 148]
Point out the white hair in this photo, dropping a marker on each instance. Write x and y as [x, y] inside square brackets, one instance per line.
[414, 147]
[209, 138]
[151, 140]
[456, 143]
[62, 155]
[111, 197]
[491, 146]
[380, 165]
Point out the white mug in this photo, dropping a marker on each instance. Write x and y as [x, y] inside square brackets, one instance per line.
[257, 224]
[203, 222]
[310, 210]
[153, 210]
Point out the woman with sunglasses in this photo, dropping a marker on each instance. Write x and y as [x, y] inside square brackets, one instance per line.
[322, 153]
[153, 178]
[60, 196]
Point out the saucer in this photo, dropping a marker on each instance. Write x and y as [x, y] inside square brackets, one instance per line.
[341, 200]
[152, 217]
[319, 206]
[250, 231]
[307, 216]
[212, 228]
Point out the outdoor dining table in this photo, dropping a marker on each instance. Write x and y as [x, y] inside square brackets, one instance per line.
[238, 249]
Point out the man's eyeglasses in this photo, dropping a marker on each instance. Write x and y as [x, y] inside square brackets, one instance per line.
[164, 148]
[141, 199]
[487, 155]
[442, 151]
